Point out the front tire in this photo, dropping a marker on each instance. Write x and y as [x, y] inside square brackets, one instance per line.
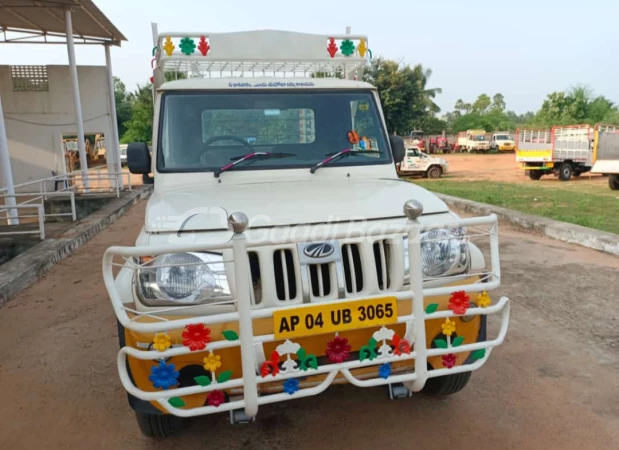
[535, 174]
[613, 182]
[446, 385]
[565, 172]
[434, 172]
[158, 426]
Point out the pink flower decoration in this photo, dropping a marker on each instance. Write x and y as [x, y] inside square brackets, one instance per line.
[449, 360]
[338, 349]
[216, 398]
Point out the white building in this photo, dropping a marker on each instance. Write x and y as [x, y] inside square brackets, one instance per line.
[39, 110]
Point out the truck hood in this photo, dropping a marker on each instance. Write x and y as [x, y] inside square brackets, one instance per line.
[284, 203]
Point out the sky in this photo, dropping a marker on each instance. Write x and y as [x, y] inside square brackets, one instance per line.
[523, 49]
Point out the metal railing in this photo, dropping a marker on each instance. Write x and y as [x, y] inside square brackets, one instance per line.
[415, 323]
[40, 215]
[42, 196]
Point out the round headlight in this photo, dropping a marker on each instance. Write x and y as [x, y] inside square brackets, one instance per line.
[183, 278]
[441, 252]
[181, 274]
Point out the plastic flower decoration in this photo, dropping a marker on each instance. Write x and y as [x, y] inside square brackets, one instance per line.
[449, 327]
[338, 349]
[187, 46]
[163, 376]
[332, 47]
[168, 47]
[483, 300]
[291, 385]
[196, 336]
[459, 302]
[362, 48]
[161, 342]
[203, 46]
[347, 47]
[212, 362]
[384, 370]
[400, 346]
[216, 398]
[449, 360]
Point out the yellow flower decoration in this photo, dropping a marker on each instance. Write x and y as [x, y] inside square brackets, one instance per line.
[362, 48]
[212, 362]
[449, 327]
[483, 300]
[161, 342]
[168, 47]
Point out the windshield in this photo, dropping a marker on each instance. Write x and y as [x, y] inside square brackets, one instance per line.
[504, 137]
[206, 131]
[479, 138]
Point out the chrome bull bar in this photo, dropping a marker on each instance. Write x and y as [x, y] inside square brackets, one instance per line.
[248, 341]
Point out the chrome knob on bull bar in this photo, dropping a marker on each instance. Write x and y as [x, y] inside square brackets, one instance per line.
[413, 209]
[239, 221]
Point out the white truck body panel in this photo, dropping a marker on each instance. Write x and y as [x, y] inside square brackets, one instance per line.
[573, 143]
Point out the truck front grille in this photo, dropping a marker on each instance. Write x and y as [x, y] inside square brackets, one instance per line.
[284, 274]
[382, 259]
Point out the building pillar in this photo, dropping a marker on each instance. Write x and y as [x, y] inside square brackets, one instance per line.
[79, 123]
[7, 172]
[113, 150]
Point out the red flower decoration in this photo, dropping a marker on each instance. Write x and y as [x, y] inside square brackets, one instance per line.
[196, 336]
[338, 349]
[203, 46]
[332, 48]
[400, 346]
[459, 302]
[449, 360]
[270, 367]
[215, 398]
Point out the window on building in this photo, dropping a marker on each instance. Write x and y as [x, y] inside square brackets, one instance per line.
[29, 78]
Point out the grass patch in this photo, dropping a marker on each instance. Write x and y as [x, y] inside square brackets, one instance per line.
[590, 206]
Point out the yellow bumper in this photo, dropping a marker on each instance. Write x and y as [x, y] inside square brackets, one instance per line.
[190, 365]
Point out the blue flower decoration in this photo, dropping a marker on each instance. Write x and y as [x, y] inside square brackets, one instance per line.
[291, 385]
[163, 376]
[384, 370]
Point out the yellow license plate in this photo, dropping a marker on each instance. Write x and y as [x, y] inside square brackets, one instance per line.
[341, 316]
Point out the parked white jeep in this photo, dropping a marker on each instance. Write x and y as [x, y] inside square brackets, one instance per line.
[280, 251]
[417, 162]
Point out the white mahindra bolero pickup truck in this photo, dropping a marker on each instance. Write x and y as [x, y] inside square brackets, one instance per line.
[280, 253]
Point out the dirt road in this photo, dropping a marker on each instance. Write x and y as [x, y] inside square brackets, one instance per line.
[553, 385]
[503, 167]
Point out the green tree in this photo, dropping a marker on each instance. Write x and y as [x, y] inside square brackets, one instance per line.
[123, 105]
[577, 105]
[498, 103]
[407, 101]
[140, 126]
[482, 104]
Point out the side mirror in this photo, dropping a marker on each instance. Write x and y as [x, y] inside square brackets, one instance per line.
[138, 158]
[397, 148]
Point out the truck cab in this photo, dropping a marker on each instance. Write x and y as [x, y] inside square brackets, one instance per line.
[280, 252]
[417, 162]
[502, 142]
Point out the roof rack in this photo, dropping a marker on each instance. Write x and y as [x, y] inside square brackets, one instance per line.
[263, 53]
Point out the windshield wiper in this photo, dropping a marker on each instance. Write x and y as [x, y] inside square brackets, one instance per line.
[340, 155]
[241, 158]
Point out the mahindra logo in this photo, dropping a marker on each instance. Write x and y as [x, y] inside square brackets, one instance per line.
[319, 250]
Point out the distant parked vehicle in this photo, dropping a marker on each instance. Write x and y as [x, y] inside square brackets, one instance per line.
[606, 153]
[417, 162]
[473, 141]
[123, 154]
[502, 142]
[566, 151]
